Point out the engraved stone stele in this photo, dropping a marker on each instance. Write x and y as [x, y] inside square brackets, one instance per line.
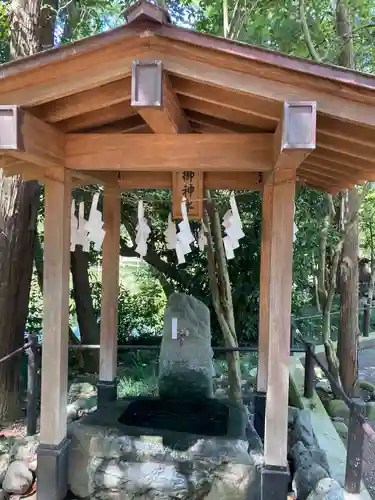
[185, 364]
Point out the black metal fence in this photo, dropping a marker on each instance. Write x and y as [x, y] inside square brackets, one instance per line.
[358, 426]
[31, 348]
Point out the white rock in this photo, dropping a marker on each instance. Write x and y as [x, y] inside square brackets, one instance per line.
[232, 482]
[18, 478]
[4, 464]
[324, 385]
[327, 489]
[25, 449]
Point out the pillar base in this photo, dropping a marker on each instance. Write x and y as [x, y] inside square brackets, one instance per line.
[275, 482]
[52, 471]
[260, 413]
[107, 392]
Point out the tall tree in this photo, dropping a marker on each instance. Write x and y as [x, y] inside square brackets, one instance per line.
[348, 270]
[19, 202]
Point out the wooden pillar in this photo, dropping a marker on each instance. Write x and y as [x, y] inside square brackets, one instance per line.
[265, 254]
[279, 315]
[52, 452]
[280, 187]
[263, 334]
[107, 386]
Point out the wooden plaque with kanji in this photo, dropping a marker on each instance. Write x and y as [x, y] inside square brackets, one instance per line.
[189, 185]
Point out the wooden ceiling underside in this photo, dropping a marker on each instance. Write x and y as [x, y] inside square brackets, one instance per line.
[221, 86]
[340, 160]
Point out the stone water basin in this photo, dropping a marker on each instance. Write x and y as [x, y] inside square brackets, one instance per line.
[154, 449]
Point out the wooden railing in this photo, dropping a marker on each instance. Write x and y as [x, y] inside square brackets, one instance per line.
[358, 427]
[31, 348]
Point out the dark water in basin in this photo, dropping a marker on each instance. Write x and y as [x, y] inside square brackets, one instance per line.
[207, 417]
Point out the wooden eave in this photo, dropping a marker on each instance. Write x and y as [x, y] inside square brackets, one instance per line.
[223, 87]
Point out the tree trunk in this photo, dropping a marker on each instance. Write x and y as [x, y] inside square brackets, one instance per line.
[87, 321]
[348, 273]
[18, 208]
[222, 296]
[348, 269]
[19, 202]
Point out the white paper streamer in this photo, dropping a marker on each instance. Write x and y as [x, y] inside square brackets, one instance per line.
[295, 228]
[232, 228]
[82, 234]
[143, 232]
[171, 234]
[73, 227]
[184, 236]
[94, 226]
[202, 238]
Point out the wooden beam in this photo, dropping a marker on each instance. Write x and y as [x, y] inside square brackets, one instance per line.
[73, 70]
[110, 285]
[96, 118]
[318, 183]
[327, 175]
[56, 308]
[85, 102]
[200, 67]
[362, 169]
[29, 139]
[161, 152]
[265, 110]
[295, 135]
[338, 128]
[217, 123]
[251, 181]
[95, 177]
[333, 168]
[256, 123]
[278, 273]
[345, 146]
[212, 180]
[132, 123]
[154, 98]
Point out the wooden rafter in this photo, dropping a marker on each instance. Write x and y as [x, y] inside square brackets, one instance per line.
[155, 100]
[96, 118]
[84, 102]
[342, 145]
[207, 122]
[223, 113]
[200, 66]
[269, 110]
[132, 123]
[345, 162]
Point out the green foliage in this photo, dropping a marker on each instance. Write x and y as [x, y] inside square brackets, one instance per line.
[140, 313]
[367, 224]
[35, 317]
[4, 30]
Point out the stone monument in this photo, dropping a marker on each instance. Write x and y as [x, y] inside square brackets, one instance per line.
[185, 364]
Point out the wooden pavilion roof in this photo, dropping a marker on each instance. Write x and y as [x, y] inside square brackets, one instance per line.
[222, 87]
